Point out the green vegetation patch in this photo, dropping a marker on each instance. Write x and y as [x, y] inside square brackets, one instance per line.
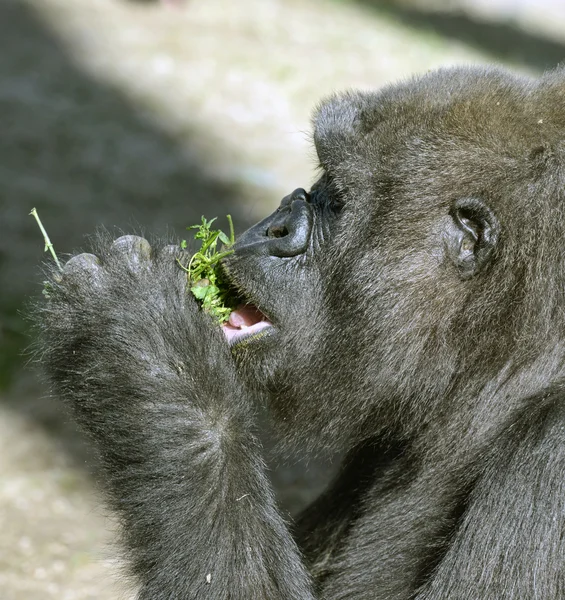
[204, 275]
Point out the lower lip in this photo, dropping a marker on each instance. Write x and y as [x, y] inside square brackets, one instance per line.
[234, 335]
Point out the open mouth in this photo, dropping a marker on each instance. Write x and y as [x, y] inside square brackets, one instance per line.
[245, 321]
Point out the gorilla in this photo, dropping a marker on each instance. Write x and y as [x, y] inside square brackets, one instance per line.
[408, 311]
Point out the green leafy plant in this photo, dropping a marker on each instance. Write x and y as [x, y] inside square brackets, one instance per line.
[204, 276]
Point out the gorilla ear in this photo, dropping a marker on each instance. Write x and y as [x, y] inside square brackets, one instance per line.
[473, 235]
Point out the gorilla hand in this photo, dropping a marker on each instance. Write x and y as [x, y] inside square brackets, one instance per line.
[152, 381]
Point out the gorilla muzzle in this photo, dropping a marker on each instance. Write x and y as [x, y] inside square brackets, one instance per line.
[284, 233]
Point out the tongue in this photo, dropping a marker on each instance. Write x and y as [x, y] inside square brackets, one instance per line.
[244, 321]
[245, 316]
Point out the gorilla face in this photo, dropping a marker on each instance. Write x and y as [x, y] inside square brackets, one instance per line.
[407, 265]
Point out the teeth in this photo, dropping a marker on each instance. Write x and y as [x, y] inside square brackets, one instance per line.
[236, 320]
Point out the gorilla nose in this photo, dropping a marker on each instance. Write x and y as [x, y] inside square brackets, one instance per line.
[291, 225]
[283, 234]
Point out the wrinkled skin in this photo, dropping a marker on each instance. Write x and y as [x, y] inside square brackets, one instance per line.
[415, 311]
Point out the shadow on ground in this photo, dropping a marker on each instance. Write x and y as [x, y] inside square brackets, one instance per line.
[506, 42]
[85, 156]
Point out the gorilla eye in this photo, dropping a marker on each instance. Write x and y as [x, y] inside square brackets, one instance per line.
[338, 202]
[324, 193]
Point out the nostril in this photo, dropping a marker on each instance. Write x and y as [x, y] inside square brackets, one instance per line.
[277, 231]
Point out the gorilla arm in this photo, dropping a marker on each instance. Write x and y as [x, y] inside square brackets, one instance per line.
[509, 542]
[155, 387]
[488, 530]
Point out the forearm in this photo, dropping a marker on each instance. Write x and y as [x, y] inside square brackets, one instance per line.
[188, 484]
[155, 389]
[197, 512]
[199, 515]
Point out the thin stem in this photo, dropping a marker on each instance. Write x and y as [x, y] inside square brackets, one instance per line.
[48, 244]
[182, 266]
[232, 232]
[219, 256]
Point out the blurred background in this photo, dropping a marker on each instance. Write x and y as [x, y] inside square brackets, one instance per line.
[146, 115]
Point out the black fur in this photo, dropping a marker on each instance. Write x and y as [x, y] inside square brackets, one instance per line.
[421, 331]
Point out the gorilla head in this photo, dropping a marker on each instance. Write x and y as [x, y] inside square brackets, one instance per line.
[422, 272]
[408, 310]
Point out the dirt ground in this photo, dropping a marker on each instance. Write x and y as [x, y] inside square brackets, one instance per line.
[139, 115]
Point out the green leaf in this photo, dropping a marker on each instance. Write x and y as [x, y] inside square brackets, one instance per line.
[224, 238]
[200, 291]
[203, 272]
